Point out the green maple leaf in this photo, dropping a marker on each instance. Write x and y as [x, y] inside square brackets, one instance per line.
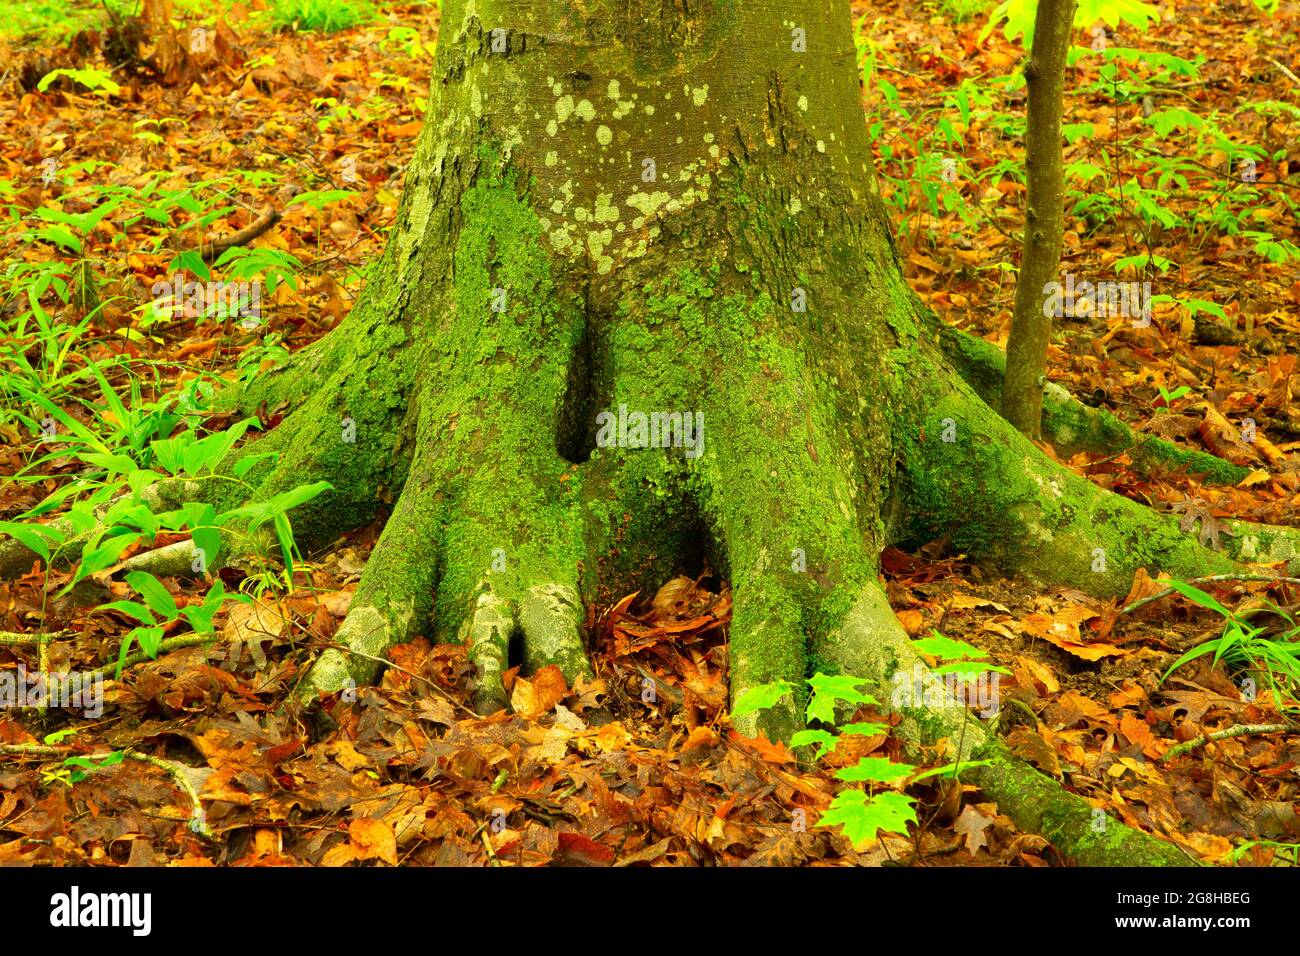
[862, 816]
[827, 689]
[761, 697]
[947, 649]
[824, 740]
[875, 770]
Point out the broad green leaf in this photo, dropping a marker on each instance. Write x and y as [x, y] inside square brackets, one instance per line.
[829, 688]
[762, 697]
[950, 769]
[35, 537]
[824, 741]
[948, 649]
[862, 817]
[155, 594]
[132, 608]
[875, 770]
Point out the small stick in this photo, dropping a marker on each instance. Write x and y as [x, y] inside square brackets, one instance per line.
[1277, 579]
[18, 637]
[198, 822]
[1241, 730]
[211, 250]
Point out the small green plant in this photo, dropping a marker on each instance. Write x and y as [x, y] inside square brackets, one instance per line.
[1284, 854]
[881, 806]
[959, 11]
[76, 769]
[1167, 397]
[97, 81]
[157, 610]
[322, 16]
[1257, 651]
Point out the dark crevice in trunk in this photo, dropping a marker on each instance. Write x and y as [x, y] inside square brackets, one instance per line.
[575, 437]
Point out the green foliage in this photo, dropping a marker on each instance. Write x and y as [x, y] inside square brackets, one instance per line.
[322, 16]
[75, 769]
[860, 814]
[1269, 653]
[959, 11]
[97, 81]
[763, 697]
[159, 610]
[1019, 16]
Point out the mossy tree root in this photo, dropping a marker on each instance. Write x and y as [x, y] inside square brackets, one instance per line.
[872, 644]
[1074, 427]
[968, 473]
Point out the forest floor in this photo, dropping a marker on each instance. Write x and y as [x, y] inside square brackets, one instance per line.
[320, 127]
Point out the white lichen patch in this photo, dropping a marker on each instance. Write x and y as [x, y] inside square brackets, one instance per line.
[803, 104]
[606, 211]
[604, 135]
[700, 94]
[647, 204]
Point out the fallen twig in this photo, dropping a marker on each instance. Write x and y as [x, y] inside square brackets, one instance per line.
[1213, 578]
[198, 821]
[1241, 730]
[211, 250]
[18, 637]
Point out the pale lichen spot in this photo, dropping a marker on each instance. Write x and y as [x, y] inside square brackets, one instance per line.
[597, 240]
[612, 91]
[803, 104]
[604, 135]
[700, 94]
[564, 108]
[647, 203]
[585, 111]
[795, 206]
[552, 158]
[552, 128]
[606, 211]
[821, 146]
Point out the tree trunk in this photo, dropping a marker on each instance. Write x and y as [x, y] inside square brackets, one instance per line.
[630, 208]
[1031, 327]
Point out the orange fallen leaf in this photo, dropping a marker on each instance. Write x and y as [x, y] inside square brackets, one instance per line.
[912, 620]
[373, 840]
[536, 696]
[1059, 629]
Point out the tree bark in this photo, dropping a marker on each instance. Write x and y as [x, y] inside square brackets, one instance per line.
[1031, 326]
[640, 207]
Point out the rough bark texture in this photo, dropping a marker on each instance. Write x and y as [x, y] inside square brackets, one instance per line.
[538, 275]
[1031, 328]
